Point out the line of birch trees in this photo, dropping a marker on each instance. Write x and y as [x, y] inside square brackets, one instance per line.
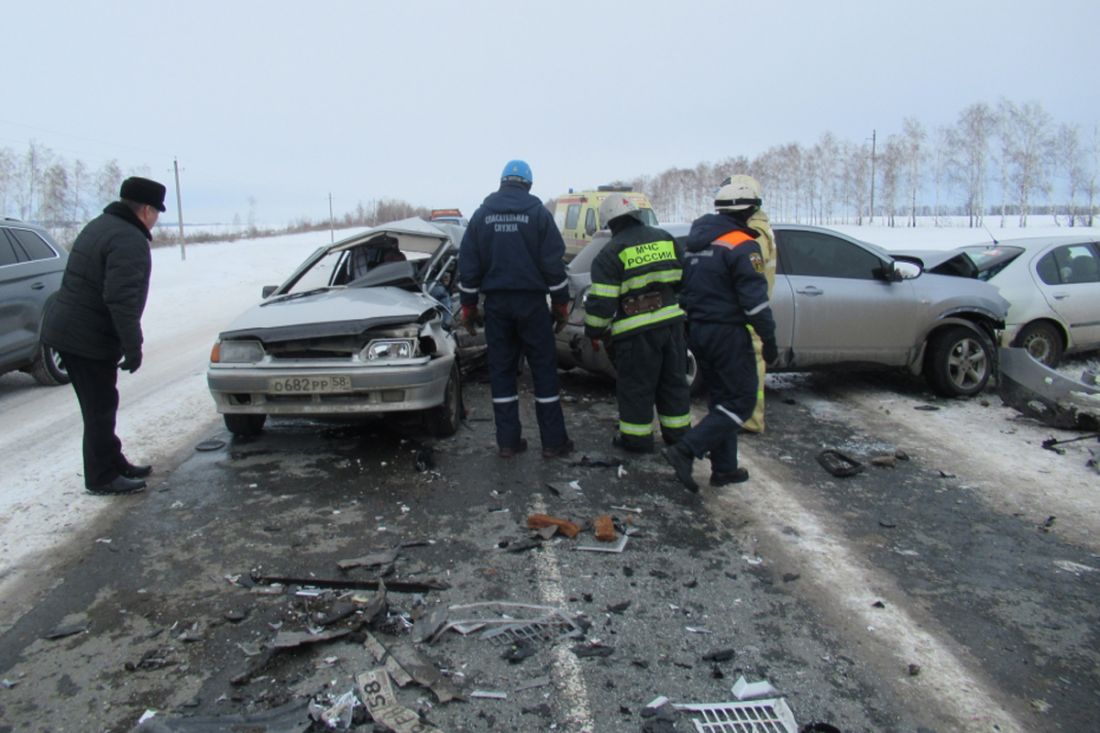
[1001, 162]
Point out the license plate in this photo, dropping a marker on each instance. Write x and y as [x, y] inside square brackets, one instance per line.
[309, 385]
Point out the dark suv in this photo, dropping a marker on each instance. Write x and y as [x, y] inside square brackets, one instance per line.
[31, 265]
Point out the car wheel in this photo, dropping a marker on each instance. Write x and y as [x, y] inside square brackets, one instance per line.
[695, 381]
[48, 368]
[1043, 342]
[245, 425]
[959, 362]
[444, 421]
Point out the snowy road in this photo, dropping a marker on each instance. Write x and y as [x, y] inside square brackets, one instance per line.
[165, 405]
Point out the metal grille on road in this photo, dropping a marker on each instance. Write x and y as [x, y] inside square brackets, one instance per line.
[755, 716]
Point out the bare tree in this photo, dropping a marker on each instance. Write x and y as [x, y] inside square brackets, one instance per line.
[969, 145]
[1030, 154]
[1093, 172]
[54, 199]
[7, 178]
[79, 183]
[940, 170]
[1070, 159]
[914, 154]
[30, 171]
[891, 164]
[108, 181]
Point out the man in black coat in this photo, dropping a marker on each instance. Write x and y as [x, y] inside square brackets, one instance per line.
[95, 320]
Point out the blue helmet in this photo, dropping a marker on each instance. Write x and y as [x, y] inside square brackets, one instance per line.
[516, 170]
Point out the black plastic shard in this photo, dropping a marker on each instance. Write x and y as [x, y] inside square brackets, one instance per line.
[839, 464]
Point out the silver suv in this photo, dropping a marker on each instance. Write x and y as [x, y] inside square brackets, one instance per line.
[31, 265]
[840, 303]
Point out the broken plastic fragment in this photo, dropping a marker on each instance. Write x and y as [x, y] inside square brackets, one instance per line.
[839, 464]
[567, 528]
[744, 690]
[606, 547]
[604, 528]
[489, 695]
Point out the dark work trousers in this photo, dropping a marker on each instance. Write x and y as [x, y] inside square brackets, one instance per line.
[726, 359]
[651, 369]
[94, 381]
[518, 323]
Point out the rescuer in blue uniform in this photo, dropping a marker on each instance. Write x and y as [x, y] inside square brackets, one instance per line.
[632, 303]
[724, 292]
[512, 253]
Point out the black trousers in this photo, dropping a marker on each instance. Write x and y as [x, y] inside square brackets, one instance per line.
[651, 367]
[518, 323]
[94, 381]
[726, 358]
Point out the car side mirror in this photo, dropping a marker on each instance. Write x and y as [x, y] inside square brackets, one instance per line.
[903, 270]
[268, 290]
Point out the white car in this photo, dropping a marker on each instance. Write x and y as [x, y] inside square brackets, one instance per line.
[362, 327]
[1053, 286]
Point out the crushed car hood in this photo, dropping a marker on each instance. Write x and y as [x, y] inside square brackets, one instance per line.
[340, 311]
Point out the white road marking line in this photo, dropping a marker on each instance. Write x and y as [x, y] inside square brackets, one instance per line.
[573, 702]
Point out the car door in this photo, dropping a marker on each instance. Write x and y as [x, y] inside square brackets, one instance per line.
[1069, 278]
[30, 272]
[842, 308]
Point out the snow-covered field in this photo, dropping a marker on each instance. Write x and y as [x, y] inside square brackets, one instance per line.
[166, 408]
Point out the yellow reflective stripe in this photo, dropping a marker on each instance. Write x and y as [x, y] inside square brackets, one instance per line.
[596, 321]
[604, 290]
[642, 281]
[675, 421]
[645, 319]
[647, 254]
[633, 428]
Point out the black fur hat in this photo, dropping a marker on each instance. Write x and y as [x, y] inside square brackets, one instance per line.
[143, 191]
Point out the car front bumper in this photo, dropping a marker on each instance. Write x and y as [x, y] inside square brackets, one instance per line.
[245, 389]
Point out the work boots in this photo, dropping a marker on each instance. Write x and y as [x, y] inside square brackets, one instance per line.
[681, 460]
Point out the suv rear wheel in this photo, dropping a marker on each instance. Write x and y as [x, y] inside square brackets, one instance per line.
[48, 368]
[959, 362]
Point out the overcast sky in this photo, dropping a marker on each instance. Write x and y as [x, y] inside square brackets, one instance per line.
[287, 102]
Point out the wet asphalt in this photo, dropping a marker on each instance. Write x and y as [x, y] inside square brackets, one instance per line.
[171, 619]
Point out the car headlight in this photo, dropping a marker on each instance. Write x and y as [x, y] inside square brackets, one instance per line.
[237, 352]
[387, 349]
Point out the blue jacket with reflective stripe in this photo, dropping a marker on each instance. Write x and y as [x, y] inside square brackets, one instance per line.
[724, 281]
[512, 244]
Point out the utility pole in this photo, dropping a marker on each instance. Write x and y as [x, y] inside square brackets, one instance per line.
[872, 218]
[179, 208]
[331, 221]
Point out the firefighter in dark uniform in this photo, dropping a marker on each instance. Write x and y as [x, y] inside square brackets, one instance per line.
[512, 253]
[724, 292]
[632, 304]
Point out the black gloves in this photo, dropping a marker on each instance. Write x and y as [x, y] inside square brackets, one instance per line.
[131, 362]
[770, 352]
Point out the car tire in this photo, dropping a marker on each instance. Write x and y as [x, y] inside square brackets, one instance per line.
[245, 426]
[444, 421]
[960, 362]
[48, 369]
[696, 384]
[1043, 341]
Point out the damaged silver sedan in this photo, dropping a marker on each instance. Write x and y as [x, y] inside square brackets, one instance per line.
[362, 327]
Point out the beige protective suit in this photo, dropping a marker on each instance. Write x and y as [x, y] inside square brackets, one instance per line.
[760, 223]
